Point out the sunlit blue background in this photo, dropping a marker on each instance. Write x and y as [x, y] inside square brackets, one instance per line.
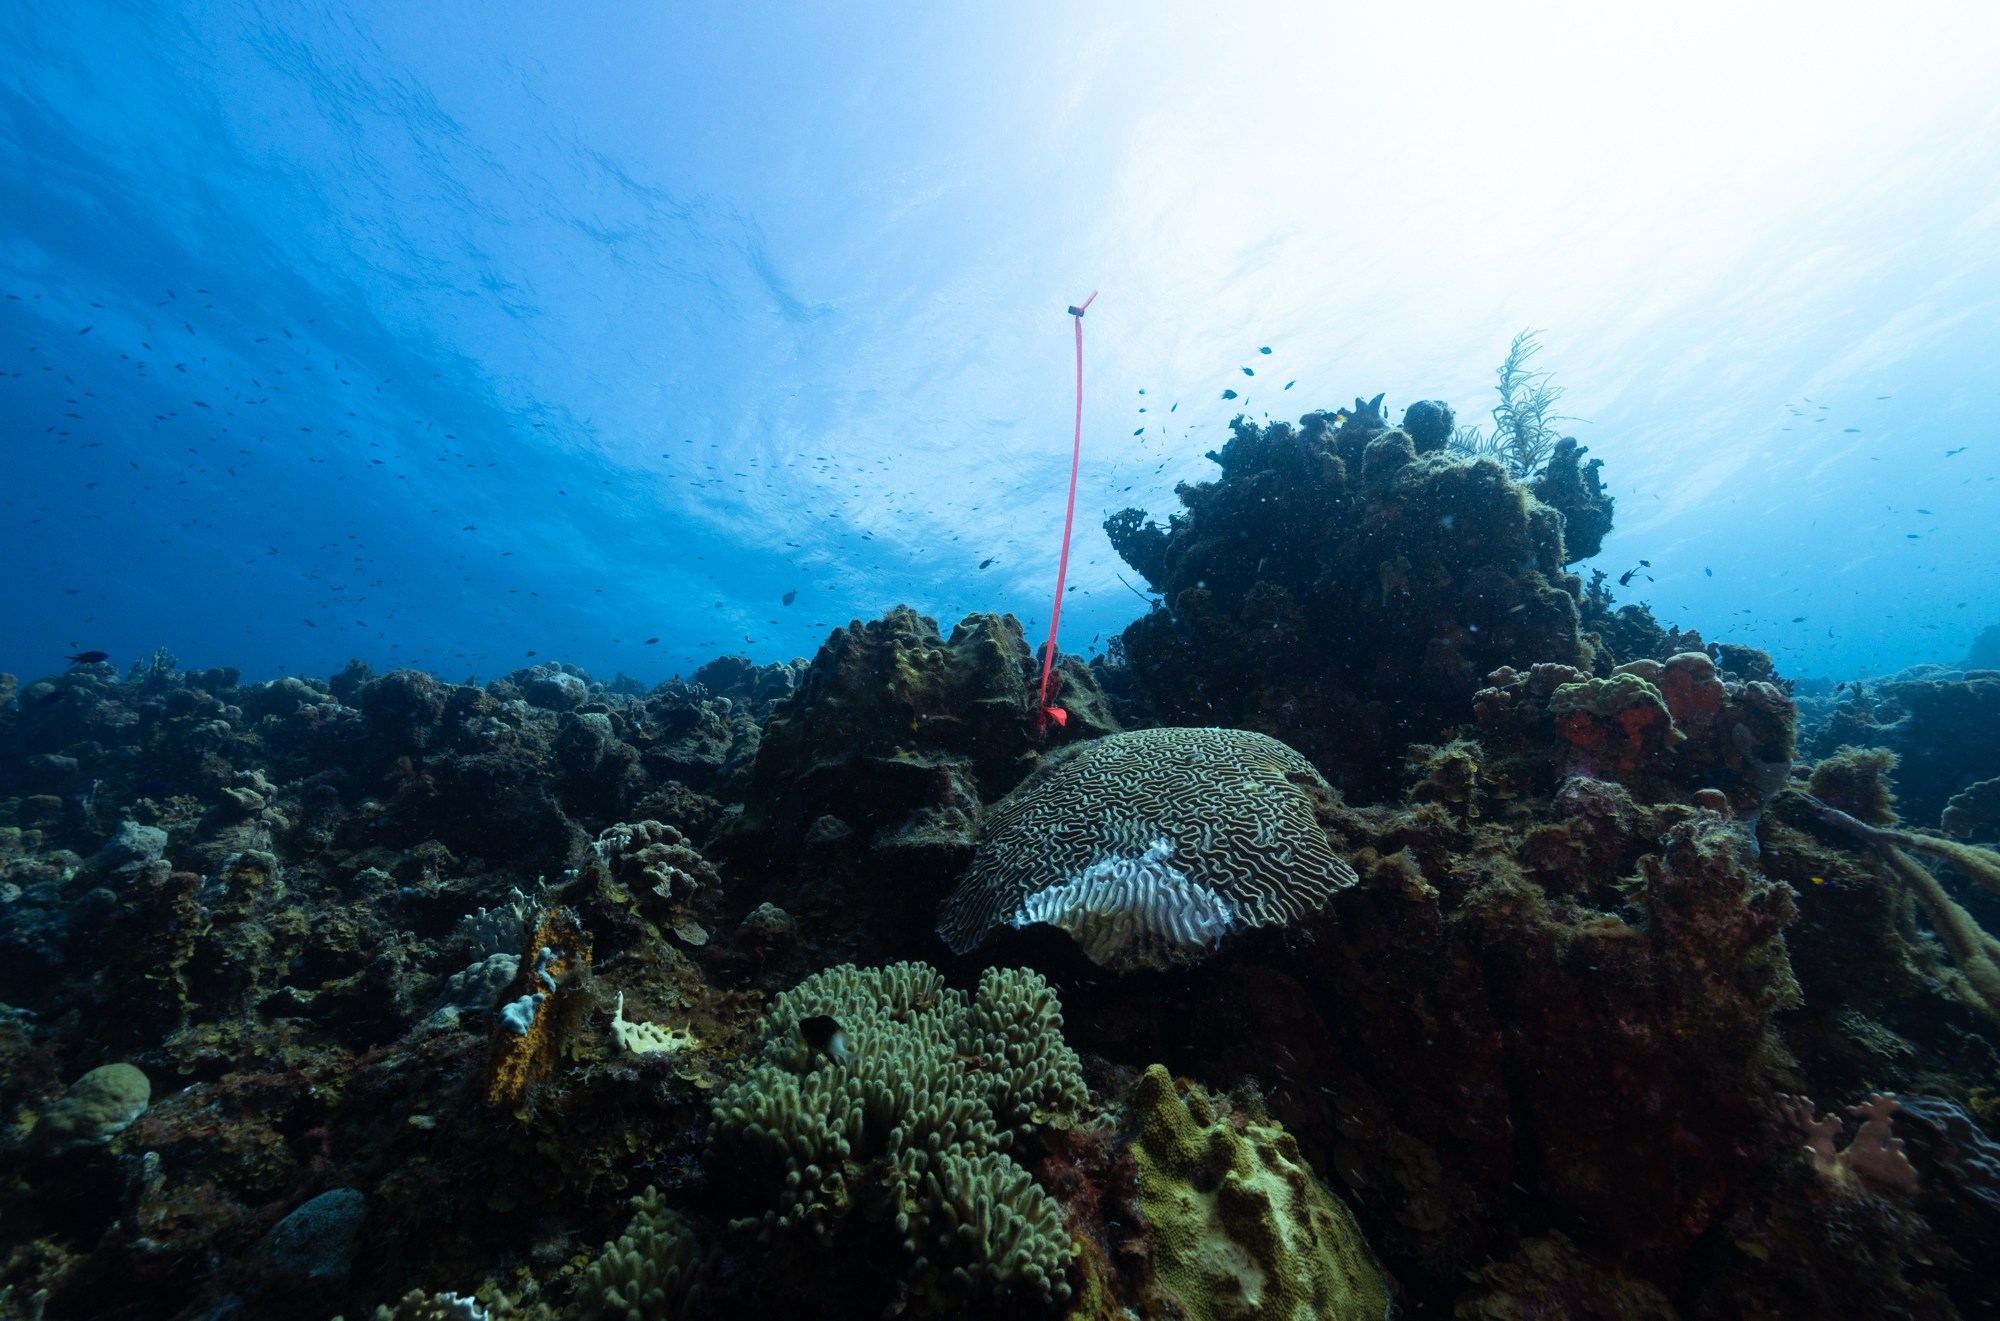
[450, 334]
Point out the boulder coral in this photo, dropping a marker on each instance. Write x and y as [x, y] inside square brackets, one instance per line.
[1676, 725]
[1242, 1228]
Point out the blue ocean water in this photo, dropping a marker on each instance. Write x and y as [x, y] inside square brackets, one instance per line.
[629, 335]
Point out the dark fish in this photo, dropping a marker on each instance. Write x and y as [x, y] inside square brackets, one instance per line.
[1710, 572]
[1851, 430]
[1248, 372]
[1960, 450]
[1798, 619]
[1912, 536]
[984, 563]
[649, 642]
[89, 657]
[1926, 511]
[1265, 349]
[47, 698]
[1290, 384]
[826, 1037]
[1140, 432]
[1229, 394]
[789, 597]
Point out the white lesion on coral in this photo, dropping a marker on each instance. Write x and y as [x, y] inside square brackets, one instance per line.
[1134, 912]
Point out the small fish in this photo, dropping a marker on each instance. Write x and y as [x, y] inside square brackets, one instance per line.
[984, 563]
[649, 642]
[789, 597]
[1960, 450]
[1229, 394]
[1248, 372]
[1926, 511]
[1140, 432]
[89, 657]
[1290, 384]
[1851, 431]
[826, 1037]
[1885, 396]
[1265, 349]
[47, 699]
[1798, 619]
[1912, 536]
[1710, 572]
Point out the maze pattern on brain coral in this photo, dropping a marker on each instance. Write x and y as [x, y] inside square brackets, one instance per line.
[1232, 803]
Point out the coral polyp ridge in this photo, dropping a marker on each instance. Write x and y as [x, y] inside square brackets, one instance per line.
[1395, 922]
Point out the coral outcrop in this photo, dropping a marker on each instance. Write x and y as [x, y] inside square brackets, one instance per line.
[1338, 590]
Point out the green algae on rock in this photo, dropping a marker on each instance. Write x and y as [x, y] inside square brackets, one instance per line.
[97, 1107]
[1243, 1230]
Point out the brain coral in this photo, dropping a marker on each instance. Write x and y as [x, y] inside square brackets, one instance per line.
[911, 1123]
[1242, 1228]
[1148, 847]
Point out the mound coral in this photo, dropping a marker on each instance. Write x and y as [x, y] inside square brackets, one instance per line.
[1242, 1228]
[1149, 846]
[910, 1120]
[1676, 723]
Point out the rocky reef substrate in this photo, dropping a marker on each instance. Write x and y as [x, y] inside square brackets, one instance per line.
[1572, 980]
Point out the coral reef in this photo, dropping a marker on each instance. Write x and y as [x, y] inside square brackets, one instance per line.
[1148, 847]
[385, 995]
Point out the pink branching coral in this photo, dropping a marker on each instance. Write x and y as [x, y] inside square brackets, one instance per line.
[1876, 1153]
